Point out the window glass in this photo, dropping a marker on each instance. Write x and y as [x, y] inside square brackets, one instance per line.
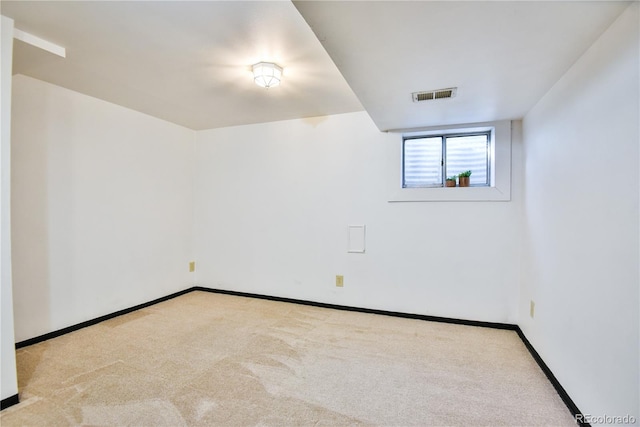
[468, 153]
[428, 160]
[422, 162]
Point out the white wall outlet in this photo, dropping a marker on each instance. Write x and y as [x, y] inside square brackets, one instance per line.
[532, 308]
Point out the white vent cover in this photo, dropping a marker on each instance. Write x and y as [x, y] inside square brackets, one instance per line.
[434, 94]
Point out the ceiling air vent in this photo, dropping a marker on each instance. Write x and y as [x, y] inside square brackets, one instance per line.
[434, 94]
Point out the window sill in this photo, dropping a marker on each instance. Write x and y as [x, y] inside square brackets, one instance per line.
[451, 194]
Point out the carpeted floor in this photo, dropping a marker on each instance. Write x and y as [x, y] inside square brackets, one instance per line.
[206, 359]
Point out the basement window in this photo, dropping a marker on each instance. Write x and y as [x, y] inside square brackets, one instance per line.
[425, 158]
[428, 160]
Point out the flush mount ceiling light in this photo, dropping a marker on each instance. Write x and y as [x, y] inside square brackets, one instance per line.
[267, 74]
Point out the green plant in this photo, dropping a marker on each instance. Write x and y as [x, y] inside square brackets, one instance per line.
[452, 178]
[465, 174]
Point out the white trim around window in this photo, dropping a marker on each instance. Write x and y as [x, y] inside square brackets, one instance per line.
[500, 168]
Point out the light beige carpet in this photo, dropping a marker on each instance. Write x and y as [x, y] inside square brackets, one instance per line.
[206, 359]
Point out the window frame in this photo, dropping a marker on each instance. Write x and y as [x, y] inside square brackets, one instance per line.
[443, 162]
[499, 191]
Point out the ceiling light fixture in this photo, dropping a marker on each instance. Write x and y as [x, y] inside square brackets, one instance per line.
[267, 74]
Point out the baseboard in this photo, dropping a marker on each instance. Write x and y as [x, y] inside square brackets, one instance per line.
[573, 408]
[9, 401]
[505, 326]
[493, 325]
[91, 322]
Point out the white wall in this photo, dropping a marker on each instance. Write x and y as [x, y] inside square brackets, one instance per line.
[273, 202]
[102, 204]
[581, 225]
[7, 347]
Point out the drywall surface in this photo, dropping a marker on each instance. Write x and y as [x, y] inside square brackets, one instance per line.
[274, 203]
[7, 347]
[102, 207]
[580, 261]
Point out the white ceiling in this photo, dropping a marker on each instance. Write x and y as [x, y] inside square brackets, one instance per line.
[502, 55]
[189, 62]
[185, 62]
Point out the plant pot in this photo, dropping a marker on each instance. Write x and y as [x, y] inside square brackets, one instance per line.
[450, 183]
[464, 181]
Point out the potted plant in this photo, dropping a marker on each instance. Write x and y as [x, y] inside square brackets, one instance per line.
[463, 178]
[451, 181]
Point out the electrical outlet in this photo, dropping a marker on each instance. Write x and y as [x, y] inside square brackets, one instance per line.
[192, 266]
[532, 308]
[339, 281]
